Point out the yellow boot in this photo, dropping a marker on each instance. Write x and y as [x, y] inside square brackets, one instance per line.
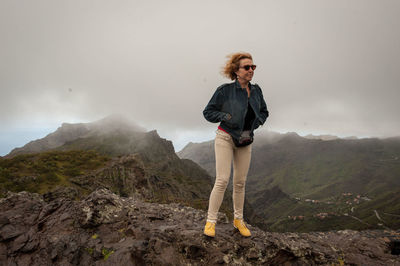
[209, 229]
[239, 224]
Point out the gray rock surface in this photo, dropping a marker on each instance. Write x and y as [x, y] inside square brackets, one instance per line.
[105, 229]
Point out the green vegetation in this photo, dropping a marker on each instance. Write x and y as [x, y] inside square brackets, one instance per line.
[90, 250]
[106, 253]
[42, 172]
[342, 212]
[323, 171]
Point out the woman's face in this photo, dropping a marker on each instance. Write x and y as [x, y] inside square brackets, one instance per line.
[243, 74]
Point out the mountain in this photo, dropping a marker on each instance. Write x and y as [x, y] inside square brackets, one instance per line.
[69, 132]
[110, 153]
[327, 137]
[123, 197]
[321, 137]
[106, 229]
[203, 153]
[114, 155]
[335, 184]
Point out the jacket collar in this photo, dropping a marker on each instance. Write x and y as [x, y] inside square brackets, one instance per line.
[237, 85]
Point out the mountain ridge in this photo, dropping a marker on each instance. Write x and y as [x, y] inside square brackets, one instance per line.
[317, 171]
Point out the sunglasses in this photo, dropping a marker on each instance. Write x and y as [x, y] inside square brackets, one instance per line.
[247, 67]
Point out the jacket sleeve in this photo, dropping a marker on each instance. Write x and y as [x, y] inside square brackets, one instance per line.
[263, 109]
[212, 112]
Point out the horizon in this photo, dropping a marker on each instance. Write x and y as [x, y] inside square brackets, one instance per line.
[28, 135]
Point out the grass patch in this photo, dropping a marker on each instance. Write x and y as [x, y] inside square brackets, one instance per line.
[42, 172]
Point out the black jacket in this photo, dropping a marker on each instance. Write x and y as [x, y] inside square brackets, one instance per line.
[231, 99]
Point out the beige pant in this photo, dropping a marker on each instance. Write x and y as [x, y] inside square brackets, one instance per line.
[225, 151]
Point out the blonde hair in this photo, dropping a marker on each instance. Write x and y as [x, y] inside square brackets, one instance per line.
[233, 63]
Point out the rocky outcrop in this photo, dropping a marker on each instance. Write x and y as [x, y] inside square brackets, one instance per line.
[105, 229]
[130, 176]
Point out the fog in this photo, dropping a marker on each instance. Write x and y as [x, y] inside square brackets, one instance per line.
[325, 67]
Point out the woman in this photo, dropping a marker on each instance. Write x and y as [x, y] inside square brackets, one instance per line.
[240, 108]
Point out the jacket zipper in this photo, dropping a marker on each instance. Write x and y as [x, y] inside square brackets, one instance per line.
[245, 113]
[255, 115]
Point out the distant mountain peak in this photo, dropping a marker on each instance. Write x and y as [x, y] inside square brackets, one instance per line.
[67, 132]
[116, 122]
[328, 137]
[321, 137]
[294, 134]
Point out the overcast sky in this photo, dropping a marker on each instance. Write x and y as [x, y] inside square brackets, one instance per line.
[325, 67]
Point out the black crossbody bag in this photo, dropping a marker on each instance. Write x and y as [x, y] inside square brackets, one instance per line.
[244, 140]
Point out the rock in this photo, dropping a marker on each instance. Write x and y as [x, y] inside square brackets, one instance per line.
[105, 229]
[19, 242]
[99, 207]
[3, 220]
[61, 192]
